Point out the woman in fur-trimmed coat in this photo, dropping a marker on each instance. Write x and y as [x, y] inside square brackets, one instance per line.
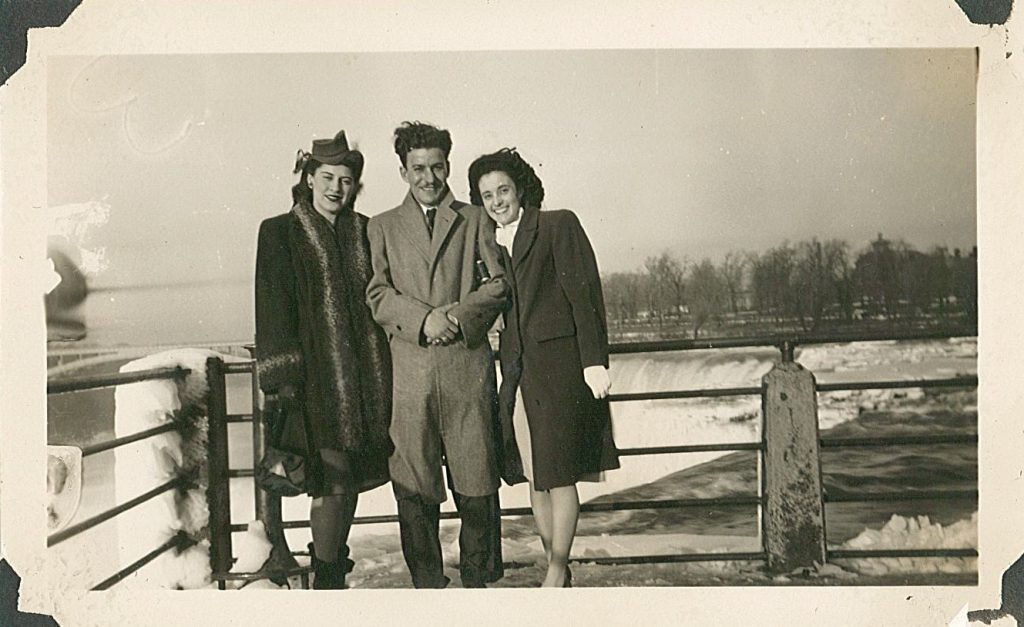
[319, 352]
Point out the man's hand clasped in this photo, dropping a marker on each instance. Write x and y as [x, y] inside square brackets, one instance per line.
[441, 328]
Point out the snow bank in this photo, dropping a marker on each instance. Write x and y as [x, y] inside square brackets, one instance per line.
[252, 549]
[154, 461]
[915, 533]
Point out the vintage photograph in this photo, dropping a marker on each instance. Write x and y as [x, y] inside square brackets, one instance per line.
[517, 319]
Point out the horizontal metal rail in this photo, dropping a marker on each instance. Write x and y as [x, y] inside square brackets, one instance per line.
[238, 367]
[954, 382]
[777, 340]
[238, 473]
[262, 574]
[874, 553]
[91, 382]
[885, 497]
[728, 501]
[672, 559]
[239, 418]
[179, 542]
[908, 440]
[74, 530]
[692, 448]
[725, 501]
[128, 439]
[706, 393]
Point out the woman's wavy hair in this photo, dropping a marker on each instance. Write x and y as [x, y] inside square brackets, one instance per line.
[306, 165]
[509, 161]
[301, 191]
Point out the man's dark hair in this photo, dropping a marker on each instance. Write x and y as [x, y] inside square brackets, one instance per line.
[412, 135]
[507, 160]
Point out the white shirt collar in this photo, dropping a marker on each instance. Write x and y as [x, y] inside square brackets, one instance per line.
[506, 234]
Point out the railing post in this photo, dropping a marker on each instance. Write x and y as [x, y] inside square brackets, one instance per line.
[268, 507]
[794, 514]
[218, 492]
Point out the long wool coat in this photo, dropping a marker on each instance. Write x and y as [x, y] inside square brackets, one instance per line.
[554, 329]
[315, 333]
[444, 396]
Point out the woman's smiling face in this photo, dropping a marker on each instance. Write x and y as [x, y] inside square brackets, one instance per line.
[501, 199]
[333, 188]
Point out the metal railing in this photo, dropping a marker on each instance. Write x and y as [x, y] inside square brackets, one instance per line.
[904, 440]
[92, 382]
[268, 508]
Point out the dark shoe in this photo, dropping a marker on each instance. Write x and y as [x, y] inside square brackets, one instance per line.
[330, 575]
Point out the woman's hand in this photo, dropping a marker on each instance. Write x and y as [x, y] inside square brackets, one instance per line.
[598, 381]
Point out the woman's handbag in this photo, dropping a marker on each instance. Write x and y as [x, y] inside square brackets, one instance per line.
[280, 472]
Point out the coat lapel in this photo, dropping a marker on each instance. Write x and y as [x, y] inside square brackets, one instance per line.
[526, 235]
[506, 263]
[415, 226]
[444, 221]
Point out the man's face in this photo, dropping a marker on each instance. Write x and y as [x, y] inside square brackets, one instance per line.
[333, 188]
[426, 172]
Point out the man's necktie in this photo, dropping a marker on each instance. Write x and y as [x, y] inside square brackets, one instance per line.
[430, 220]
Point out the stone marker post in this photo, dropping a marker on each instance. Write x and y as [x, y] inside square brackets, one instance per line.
[794, 515]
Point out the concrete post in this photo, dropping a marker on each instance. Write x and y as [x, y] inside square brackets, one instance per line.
[794, 514]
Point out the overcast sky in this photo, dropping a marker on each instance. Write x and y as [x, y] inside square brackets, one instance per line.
[694, 151]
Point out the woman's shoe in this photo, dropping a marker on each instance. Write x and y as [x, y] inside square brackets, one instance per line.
[329, 575]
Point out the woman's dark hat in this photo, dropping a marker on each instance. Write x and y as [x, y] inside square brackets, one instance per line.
[332, 152]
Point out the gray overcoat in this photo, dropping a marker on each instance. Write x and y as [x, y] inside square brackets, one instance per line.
[444, 400]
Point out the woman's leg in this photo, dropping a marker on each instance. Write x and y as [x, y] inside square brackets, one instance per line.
[565, 511]
[540, 501]
[330, 518]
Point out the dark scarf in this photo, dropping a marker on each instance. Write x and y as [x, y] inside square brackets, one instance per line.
[348, 363]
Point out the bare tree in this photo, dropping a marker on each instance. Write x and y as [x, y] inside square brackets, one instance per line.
[623, 294]
[772, 282]
[731, 271]
[708, 295]
[820, 269]
[667, 278]
[838, 260]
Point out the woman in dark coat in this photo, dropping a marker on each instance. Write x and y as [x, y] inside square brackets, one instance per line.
[554, 352]
[318, 351]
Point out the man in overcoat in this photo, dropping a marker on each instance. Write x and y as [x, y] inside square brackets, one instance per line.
[436, 289]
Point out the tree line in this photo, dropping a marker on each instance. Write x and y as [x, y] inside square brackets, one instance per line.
[807, 285]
